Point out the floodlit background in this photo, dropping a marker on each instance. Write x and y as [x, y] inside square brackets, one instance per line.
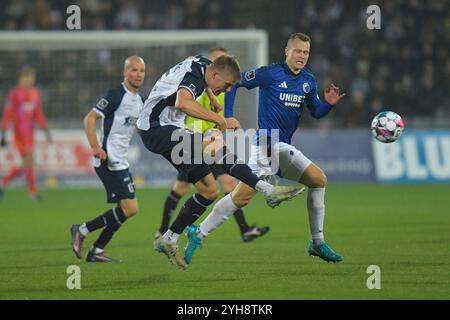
[387, 204]
[404, 67]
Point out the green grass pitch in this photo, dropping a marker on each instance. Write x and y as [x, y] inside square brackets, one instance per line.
[403, 229]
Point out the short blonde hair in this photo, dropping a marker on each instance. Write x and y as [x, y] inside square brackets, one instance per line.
[227, 64]
[298, 36]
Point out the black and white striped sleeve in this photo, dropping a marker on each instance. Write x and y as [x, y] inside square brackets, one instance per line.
[193, 81]
[109, 102]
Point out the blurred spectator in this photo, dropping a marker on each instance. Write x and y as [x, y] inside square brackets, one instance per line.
[405, 66]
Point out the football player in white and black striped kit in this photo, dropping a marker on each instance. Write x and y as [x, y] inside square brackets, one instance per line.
[162, 127]
[119, 110]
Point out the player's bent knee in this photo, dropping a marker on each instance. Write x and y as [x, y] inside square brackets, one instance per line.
[130, 212]
[129, 208]
[240, 200]
[228, 183]
[320, 181]
[181, 188]
[314, 177]
[212, 194]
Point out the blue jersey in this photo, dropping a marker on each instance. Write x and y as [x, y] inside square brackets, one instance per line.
[282, 98]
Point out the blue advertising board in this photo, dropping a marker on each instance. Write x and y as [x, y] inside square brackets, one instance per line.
[418, 156]
[346, 156]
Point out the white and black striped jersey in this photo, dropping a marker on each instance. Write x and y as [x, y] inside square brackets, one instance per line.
[159, 108]
[120, 109]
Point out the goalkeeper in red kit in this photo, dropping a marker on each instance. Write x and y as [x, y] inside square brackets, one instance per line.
[23, 110]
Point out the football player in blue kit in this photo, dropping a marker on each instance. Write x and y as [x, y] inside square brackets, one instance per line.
[119, 110]
[285, 89]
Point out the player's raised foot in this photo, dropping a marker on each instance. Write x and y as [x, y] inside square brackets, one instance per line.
[171, 251]
[77, 240]
[193, 243]
[157, 241]
[94, 256]
[158, 235]
[254, 232]
[282, 193]
[324, 251]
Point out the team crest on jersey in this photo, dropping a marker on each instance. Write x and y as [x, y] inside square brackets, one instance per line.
[306, 87]
[250, 75]
[193, 88]
[102, 104]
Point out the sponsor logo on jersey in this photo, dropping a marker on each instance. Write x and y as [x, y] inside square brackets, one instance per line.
[292, 99]
[102, 104]
[193, 88]
[283, 85]
[306, 87]
[250, 75]
[130, 121]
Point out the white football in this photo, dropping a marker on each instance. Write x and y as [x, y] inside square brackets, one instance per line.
[387, 126]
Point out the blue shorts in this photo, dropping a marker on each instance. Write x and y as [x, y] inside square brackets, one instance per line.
[118, 184]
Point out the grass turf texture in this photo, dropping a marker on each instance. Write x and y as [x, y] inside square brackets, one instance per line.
[404, 229]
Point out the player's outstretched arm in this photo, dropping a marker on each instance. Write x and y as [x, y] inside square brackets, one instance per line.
[331, 94]
[230, 96]
[250, 79]
[318, 108]
[89, 127]
[186, 103]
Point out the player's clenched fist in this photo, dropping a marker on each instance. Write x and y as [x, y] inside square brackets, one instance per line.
[233, 123]
[100, 153]
[221, 123]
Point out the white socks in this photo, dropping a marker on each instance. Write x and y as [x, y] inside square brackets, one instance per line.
[264, 187]
[170, 237]
[223, 209]
[98, 250]
[316, 210]
[83, 229]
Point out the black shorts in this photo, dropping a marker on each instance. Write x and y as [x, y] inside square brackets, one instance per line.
[216, 170]
[118, 184]
[158, 140]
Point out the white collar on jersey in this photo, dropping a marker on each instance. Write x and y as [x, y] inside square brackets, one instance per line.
[126, 89]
